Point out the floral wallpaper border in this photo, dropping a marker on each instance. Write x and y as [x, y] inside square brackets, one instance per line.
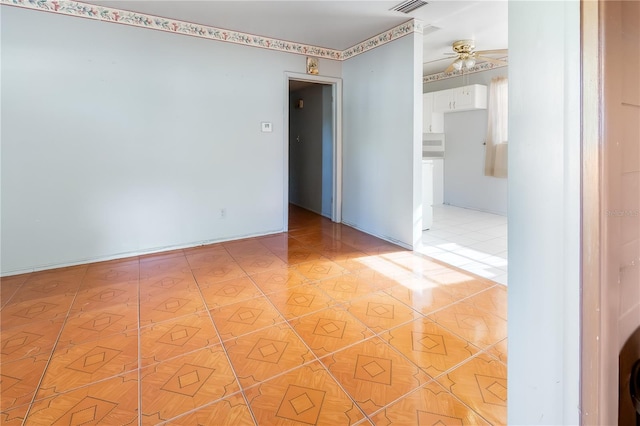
[445, 75]
[107, 14]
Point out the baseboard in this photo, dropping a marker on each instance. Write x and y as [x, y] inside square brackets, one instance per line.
[130, 254]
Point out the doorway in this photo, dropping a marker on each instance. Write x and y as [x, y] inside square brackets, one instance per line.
[313, 145]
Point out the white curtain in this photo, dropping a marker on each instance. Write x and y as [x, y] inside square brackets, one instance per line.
[497, 128]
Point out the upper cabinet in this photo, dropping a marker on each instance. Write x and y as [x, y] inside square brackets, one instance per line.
[463, 98]
[432, 122]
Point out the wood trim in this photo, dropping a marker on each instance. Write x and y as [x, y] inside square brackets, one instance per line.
[591, 321]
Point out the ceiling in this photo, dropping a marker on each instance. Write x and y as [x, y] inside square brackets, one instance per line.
[342, 24]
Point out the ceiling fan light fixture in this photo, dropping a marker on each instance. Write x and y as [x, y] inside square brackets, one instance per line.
[469, 62]
[457, 64]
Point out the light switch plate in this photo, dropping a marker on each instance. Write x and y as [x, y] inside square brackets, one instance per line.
[266, 126]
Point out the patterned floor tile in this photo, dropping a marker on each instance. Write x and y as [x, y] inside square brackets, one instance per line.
[238, 319]
[217, 273]
[9, 285]
[261, 355]
[173, 265]
[278, 279]
[481, 383]
[19, 380]
[155, 339]
[229, 411]
[90, 325]
[330, 330]
[107, 402]
[460, 283]
[260, 263]
[203, 257]
[103, 295]
[320, 269]
[167, 282]
[112, 272]
[499, 350]
[182, 384]
[47, 286]
[381, 312]
[306, 395]
[158, 307]
[425, 299]
[431, 347]
[481, 328]
[301, 300]
[493, 300]
[246, 248]
[172, 338]
[30, 339]
[374, 374]
[431, 405]
[21, 313]
[80, 365]
[229, 292]
[346, 287]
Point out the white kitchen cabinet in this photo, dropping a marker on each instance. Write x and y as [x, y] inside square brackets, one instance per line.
[432, 122]
[465, 98]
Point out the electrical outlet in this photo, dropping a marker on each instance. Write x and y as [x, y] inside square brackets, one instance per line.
[223, 213]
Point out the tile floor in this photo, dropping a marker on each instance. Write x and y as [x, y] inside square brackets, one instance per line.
[469, 239]
[321, 325]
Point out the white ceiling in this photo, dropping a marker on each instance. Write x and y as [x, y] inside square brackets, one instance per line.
[341, 24]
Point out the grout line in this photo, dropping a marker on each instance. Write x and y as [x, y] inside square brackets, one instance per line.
[53, 349]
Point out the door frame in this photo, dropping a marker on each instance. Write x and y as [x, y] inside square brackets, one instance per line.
[336, 108]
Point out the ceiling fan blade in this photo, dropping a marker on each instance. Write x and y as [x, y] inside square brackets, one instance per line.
[493, 61]
[493, 52]
[437, 60]
[449, 68]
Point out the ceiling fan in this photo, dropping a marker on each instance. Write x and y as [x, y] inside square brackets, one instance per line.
[467, 56]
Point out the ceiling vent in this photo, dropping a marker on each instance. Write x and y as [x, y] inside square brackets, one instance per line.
[409, 6]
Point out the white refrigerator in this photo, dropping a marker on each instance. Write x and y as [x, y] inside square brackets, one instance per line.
[427, 194]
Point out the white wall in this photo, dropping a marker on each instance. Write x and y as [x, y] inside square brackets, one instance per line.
[382, 140]
[544, 212]
[119, 140]
[465, 184]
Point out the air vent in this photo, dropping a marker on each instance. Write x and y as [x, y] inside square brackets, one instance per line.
[409, 6]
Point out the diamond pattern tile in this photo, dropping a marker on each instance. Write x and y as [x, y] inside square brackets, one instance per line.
[320, 325]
